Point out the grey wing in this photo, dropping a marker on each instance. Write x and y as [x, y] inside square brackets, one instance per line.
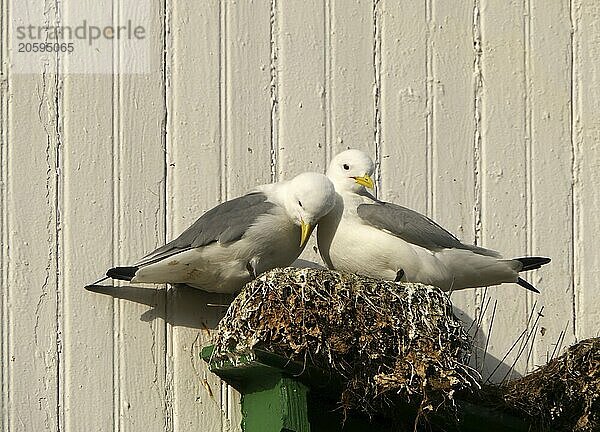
[224, 223]
[413, 227]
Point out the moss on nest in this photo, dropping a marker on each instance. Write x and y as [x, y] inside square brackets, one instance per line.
[388, 342]
[563, 395]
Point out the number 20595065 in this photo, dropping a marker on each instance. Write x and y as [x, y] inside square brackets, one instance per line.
[62, 47]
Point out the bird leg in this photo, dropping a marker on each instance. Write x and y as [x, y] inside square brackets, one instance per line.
[399, 275]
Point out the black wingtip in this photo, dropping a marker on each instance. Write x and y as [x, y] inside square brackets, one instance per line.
[93, 287]
[527, 285]
[532, 263]
[90, 287]
[122, 273]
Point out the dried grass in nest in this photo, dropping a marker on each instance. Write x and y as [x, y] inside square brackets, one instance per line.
[563, 395]
[388, 342]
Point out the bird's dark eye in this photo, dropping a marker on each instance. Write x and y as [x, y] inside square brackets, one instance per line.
[346, 167]
[300, 203]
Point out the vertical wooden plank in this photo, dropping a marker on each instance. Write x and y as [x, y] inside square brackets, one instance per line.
[453, 60]
[454, 87]
[404, 103]
[32, 295]
[88, 250]
[4, 328]
[585, 16]
[32, 282]
[140, 111]
[302, 92]
[245, 117]
[349, 44]
[505, 122]
[550, 94]
[350, 83]
[89, 163]
[196, 182]
[194, 186]
[247, 108]
[301, 86]
[3, 214]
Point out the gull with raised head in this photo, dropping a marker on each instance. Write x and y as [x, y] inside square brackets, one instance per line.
[383, 240]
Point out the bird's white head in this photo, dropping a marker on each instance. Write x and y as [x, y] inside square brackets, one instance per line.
[351, 170]
[309, 197]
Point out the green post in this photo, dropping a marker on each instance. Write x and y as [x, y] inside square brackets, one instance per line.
[277, 404]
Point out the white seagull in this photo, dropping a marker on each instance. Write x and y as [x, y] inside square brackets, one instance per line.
[386, 241]
[237, 240]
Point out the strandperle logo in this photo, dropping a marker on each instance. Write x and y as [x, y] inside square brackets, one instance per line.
[84, 31]
[89, 37]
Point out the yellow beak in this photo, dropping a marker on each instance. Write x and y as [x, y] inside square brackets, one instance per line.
[365, 181]
[306, 231]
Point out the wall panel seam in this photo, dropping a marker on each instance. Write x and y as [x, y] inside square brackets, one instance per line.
[576, 149]
[274, 89]
[4, 229]
[429, 190]
[528, 118]
[223, 95]
[167, 97]
[478, 95]
[327, 77]
[377, 94]
[59, 246]
[477, 105]
[117, 222]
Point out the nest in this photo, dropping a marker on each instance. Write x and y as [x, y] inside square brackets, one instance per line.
[563, 395]
[388, 342]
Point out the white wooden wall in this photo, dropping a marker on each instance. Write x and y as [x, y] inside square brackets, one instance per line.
[483, 114]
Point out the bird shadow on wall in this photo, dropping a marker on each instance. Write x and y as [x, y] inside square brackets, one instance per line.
[180, 305]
